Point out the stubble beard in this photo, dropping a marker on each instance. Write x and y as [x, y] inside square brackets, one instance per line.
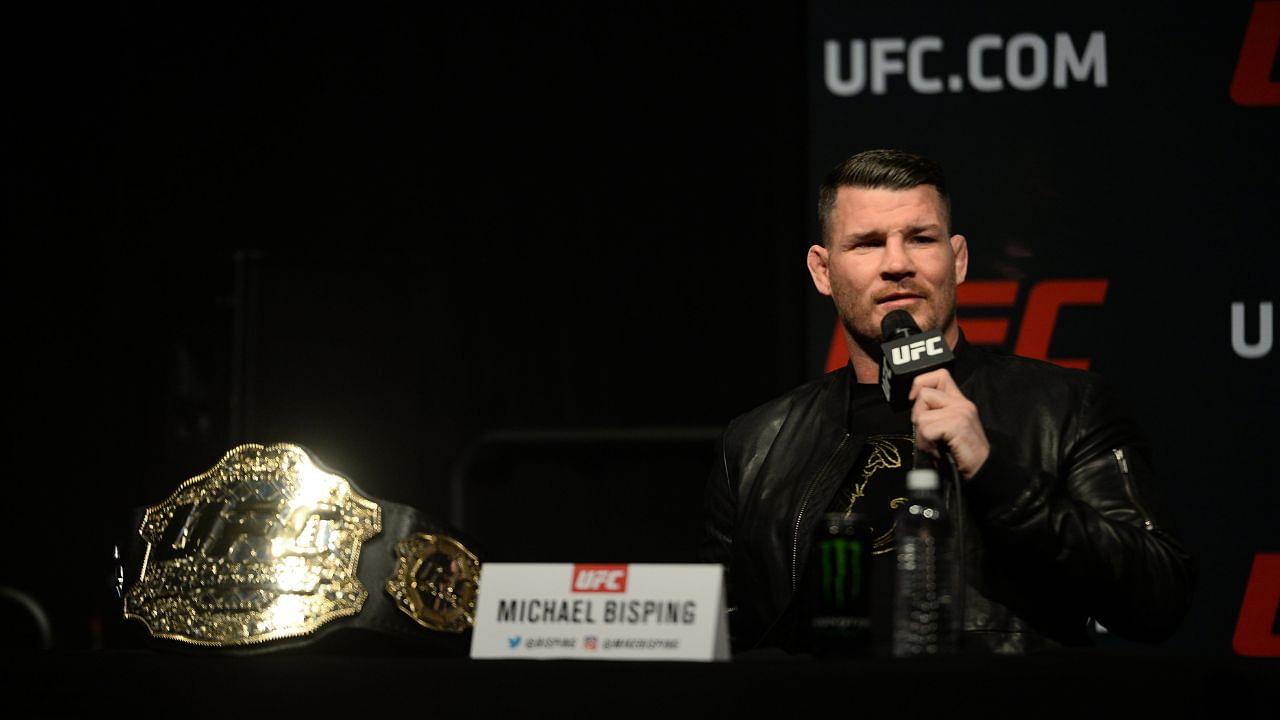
[858, 323]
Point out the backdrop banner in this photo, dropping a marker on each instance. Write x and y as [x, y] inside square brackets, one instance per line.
[1114, 171]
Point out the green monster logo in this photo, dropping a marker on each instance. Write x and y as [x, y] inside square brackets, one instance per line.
[841, 571]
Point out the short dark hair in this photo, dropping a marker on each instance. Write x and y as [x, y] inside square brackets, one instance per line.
[882, 169]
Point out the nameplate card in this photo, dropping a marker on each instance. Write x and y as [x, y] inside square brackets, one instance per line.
[600, 612]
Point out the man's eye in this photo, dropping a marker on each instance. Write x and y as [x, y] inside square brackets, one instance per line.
[924, 239]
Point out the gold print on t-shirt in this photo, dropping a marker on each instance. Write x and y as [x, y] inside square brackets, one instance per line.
[883, 454]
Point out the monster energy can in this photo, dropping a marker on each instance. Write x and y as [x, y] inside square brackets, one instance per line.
[840, 590]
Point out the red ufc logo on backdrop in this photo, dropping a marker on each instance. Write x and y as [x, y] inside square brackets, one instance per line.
[1252, 84]
[600, 578]
[1256, 632]
[1038, 319]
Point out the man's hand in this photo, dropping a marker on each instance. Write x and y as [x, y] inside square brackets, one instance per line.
[943, 415]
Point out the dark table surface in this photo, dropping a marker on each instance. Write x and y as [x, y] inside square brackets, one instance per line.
[142, 683]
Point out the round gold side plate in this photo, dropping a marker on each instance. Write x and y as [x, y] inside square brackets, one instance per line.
[435, 582]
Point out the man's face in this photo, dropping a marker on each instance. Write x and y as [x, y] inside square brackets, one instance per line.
[889, 249]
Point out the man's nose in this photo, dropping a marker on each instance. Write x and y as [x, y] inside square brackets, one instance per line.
[895, 261]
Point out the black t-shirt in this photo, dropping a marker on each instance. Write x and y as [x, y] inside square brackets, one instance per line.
[877, 484]
[874, 488]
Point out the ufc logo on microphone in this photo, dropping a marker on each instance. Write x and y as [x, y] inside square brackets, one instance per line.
[910, 353]
[599, 578]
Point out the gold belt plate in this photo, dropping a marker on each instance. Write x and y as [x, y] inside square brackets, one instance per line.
[262, 546]
[435, 582]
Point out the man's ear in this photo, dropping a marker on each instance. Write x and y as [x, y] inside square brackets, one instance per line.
[960, 248]
[817, 262]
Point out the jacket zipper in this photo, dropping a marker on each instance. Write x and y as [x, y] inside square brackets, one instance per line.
[1128, 489]
[804, 502]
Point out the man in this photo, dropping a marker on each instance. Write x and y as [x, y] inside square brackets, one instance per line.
[1057, 490]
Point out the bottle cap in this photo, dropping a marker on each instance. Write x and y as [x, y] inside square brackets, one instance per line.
[922, 480]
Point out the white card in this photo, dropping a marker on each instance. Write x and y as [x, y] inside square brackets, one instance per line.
[601, 612]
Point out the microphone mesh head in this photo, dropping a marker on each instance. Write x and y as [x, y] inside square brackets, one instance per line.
[898, 323]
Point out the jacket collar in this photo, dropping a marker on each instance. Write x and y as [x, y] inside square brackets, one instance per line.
[966, 359]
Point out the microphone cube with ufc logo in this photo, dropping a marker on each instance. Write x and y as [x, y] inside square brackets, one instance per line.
[907, 357]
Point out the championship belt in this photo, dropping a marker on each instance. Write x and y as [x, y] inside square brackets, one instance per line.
[268, 546]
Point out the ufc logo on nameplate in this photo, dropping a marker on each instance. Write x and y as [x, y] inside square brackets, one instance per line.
[912, 352]
[600, 578]
[601, 612]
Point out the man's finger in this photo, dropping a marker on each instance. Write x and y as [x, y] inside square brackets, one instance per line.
[927, 400]
[926, 443]
[952, 411]
[939, 379]
[932, 398]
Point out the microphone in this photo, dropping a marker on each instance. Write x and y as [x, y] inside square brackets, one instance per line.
[908, 353]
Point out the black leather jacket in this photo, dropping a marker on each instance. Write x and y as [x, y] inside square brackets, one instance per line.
[1062, 520]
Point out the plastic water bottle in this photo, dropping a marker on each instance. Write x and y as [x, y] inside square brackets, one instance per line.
[925, 582]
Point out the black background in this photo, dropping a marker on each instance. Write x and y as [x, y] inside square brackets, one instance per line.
[467, 219]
